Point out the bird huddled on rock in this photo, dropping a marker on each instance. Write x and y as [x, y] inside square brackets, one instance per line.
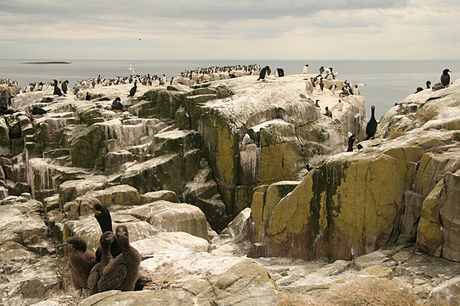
[38, 111]
[265, 71]
[97, 271]
[79, 262]
[371, 127]
[116, 104]
[123, 271]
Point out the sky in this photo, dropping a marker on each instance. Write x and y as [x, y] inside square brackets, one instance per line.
[230, 29]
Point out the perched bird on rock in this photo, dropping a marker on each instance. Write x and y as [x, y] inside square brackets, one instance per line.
[104, 219]
[328, 112]
[56, 91]
[123, 271]
[351, 140]
[265, 71]
[116, 104]
[437, 86]
[96, 272]
[79, 262]
[445, 77]
[371, 127]
[38, 111]
[428, 84]
[419, 89]
[132, 92]
[305, 69]
[64, 86]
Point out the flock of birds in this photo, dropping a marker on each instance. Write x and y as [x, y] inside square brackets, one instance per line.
[114, 266]
[445, 81]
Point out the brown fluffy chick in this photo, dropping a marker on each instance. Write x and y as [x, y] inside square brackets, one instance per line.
[79, 262]
[123, 271]
[96, 272]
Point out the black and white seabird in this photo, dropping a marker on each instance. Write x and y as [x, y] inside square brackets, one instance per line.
[445, 77]
[371, 127]
[305, 69]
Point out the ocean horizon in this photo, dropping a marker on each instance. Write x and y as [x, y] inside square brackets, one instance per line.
[386, 81]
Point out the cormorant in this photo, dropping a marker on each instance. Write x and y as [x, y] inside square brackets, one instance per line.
[263, 72]
[96, 272]
[56, 91]
[351, 140]
[328, 112]
[371, 127]
[321, 84]
[428, 84]
[419, 89]
[445, 77]
[280, 72]
[123, 271]
[321, 70]
[133, 90]
[104, 219]
[116, 104]
[64, 86]
[79, 262]
[317, 104]
[38, 111]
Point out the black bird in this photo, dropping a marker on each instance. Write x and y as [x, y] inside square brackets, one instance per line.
[428, 84]
[263, 72]
[104, 219]
[116, 104]
[351, 140]
[38, 111]
[321, 70]
[328, 112]
[123, 271]
[56, 91]
[280, 72]
[321, 84]
[96, 272]
[64, 86]
[79, 262]
[133, 90]
[371, 127]
[445, 77]
[419, 89]
[359, 146]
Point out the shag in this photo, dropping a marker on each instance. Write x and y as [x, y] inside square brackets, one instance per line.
[265, 71]
[56, 91]
[116, 104]
[79, 262]
[38, 111]
[351, 140]
[328, 112]
[371, 127]
[428, 84]
[419, 89]
[96, 272]
[445, 77]
[321, 70]
[317, 104]
[280, 72]
[133, 90]
[104, 219]
[64, 86]
[123, 271]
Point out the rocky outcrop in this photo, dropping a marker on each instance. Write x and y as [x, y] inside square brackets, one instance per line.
[394, 190]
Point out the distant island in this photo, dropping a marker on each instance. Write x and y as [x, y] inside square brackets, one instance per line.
[46, 63]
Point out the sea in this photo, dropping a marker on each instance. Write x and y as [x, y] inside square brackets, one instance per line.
[386, 81]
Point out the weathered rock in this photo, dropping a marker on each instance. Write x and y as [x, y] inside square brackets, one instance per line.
[172, 217]
[166, 195]
[116, 195]
[70, 190]
[448, 291]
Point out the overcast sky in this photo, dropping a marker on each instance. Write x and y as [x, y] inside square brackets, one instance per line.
[230, 29]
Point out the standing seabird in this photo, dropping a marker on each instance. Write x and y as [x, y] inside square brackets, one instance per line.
[371, 127]
[328, 112]
[445, 77]
[96, 272]
[79, 262]
[132, 92]
[56, 91]
[64, 86]
[321, 70]
[305, 69]
[351, 140]
[123, 271]
[428, 84]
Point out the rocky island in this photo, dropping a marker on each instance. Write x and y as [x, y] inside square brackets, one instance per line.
[241, 189]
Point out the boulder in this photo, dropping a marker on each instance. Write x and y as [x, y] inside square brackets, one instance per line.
[116, 195]
[172, 217]
[70, 190]
[166, 195]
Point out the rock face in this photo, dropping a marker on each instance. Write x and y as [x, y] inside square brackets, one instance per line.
[395, 190]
